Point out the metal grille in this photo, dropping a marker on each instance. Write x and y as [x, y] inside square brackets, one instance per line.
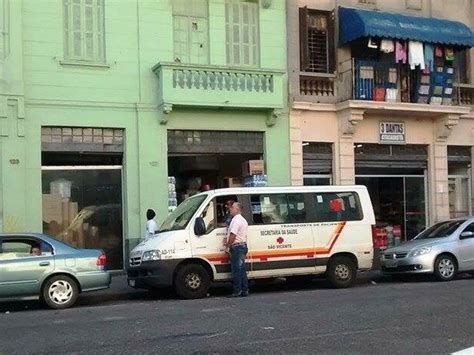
[395, 156]
[318, 46]
[459, 153]
[82, 139]
[214, 142]
[317, 158]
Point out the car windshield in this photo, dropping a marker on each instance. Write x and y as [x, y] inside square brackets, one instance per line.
[180, 217]
[440, 230]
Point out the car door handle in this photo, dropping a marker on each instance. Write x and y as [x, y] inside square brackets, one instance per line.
[44, 263]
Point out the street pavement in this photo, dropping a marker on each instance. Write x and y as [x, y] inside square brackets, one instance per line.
[378, 315]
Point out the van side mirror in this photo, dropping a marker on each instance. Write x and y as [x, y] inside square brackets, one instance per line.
[199, 226]
[466, 235]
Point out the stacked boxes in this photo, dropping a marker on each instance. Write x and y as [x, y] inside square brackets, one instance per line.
[172, 198]
[254, 173]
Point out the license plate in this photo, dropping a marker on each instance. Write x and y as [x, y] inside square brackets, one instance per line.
[391, 263]
[131, 283]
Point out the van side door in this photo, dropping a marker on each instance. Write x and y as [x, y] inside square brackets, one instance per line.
[282, 241]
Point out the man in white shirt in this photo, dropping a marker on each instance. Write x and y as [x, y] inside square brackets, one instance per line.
[150, 227]
[236, 241]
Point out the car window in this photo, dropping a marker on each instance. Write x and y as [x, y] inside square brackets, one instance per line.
[469, 228]
[440, 230]
[269, 209]
[209, 216]
[297, 208]
[337, 206]
[18, 248]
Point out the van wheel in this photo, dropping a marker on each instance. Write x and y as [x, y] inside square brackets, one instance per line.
[191, 281]
[445, 268]
[59, 292]
[341, 272]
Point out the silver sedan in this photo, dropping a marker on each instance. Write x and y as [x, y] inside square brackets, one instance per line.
[444, 249]
[38, 265]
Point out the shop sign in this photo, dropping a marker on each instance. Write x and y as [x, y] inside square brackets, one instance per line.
[392, 132]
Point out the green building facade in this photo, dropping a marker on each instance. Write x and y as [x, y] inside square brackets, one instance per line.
[101, 101]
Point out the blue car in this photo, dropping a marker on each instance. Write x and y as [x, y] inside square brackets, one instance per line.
[38, 265]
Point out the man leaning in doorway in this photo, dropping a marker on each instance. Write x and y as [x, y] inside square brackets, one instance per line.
[236, 241]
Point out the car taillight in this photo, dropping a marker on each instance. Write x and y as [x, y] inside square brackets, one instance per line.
[101, 260]
[375, 242]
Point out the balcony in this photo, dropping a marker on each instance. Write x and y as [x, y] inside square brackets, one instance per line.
[380, 85]
[463, 94]
[189, 85]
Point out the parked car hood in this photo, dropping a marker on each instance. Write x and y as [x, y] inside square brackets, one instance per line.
[414, 244]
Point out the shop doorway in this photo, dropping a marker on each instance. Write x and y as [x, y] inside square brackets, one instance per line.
[395, 176]
[400, 204]
[82, 188]
[202, 160]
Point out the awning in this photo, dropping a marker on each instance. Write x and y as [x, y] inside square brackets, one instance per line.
[356, 23]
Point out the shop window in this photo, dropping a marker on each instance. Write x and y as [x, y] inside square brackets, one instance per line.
[82, 207]
[317, 163]
[190, 31]
[334, 207]
[84, 30]
[317, 50]
[242, 32]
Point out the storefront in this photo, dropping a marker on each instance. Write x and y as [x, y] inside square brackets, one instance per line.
[395, 176]
[199, 160]
[82, 188]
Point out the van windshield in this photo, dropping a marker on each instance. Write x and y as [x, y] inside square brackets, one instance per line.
[180, 217]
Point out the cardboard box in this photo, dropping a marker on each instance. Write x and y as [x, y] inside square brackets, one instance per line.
[233, 182]
[52, 208]
[253, 167]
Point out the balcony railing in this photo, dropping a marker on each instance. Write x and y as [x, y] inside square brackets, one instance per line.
[379, 81]
[214, 86]
[463, 94]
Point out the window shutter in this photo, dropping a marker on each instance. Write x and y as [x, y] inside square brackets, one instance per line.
[304, 51]
[331, 43]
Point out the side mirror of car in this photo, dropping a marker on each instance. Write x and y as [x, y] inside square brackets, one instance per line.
[199, 226]
[466, 235]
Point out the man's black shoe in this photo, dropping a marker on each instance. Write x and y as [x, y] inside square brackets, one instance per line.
[234, 295]
[244, 294]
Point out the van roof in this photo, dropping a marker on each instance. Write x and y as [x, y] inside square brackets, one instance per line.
[252, 190]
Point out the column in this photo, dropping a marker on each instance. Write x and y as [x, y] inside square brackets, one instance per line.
[344, 164]
[296, 148]
[439, 195]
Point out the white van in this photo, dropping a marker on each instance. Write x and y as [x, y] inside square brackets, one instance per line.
[294, 232]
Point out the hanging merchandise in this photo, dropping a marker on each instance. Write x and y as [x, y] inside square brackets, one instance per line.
[429, 56]
[416, 55]
[372, 43]
[400, 52]
[387, 46]
[438, 52]
[449, 54]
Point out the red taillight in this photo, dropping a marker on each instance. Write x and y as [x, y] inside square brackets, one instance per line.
[101, 260]
[375, 242]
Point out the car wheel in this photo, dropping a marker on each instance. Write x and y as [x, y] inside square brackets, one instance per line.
[60, 292]
[191, 281]
[341, 272]
[445, 268]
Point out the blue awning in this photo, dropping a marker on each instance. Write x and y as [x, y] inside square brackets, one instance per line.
[356, 23]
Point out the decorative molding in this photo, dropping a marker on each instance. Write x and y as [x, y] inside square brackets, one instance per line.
[12, 107]
[445, 125]
[348, 120]
[79, 64]
[273, 116]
